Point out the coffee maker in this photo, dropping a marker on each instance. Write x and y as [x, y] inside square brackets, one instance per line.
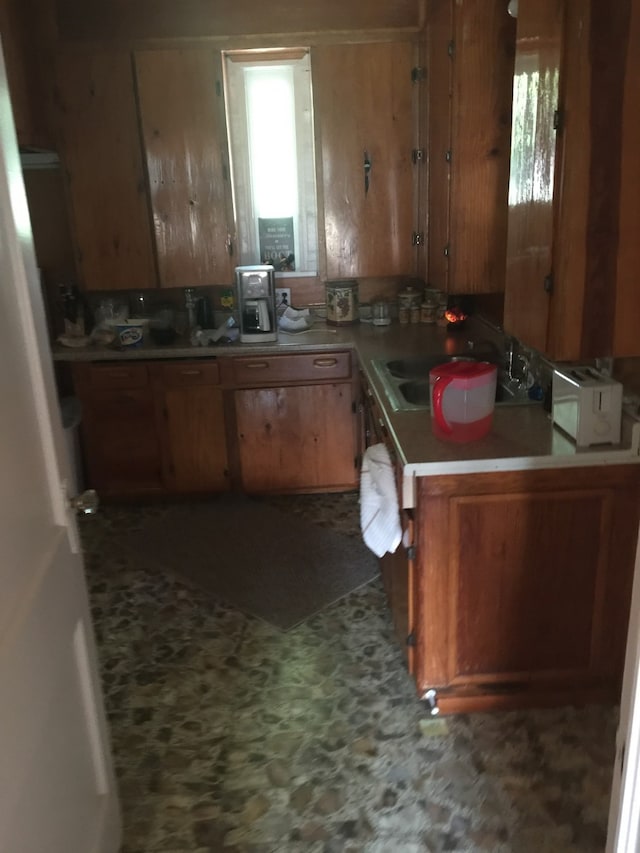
[256, 295]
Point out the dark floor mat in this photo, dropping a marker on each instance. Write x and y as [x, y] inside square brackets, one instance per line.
[273, 565]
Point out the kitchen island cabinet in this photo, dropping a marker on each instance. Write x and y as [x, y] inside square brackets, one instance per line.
[524, 586]
[297, 423]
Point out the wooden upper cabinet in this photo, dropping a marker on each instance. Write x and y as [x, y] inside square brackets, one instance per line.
[27, 37]
[364, 135]
[182, 116]
[577, 229]
[470, 54]
[100, 150]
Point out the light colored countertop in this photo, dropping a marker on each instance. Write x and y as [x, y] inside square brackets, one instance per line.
[522, 437]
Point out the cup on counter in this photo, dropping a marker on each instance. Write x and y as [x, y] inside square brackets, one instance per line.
[381, 314]
[131, 333]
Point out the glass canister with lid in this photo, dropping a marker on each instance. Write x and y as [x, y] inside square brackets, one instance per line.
[409, 301]
[342, 303]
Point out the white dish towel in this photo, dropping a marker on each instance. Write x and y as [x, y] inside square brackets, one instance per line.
[379, 511]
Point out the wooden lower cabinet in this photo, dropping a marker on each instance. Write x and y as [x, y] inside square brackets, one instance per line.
[297, 438]
[524, 586]
[152, 427]
[190, 412]
[120, 438]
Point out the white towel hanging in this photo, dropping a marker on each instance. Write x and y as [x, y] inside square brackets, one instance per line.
[379, 510]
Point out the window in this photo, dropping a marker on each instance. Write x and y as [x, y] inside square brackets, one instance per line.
[270, 120]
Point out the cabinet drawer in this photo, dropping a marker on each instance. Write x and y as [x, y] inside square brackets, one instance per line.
[117, 376]
[307, 367]
[190, 373]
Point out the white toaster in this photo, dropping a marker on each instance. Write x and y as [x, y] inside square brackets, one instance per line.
[587, 405]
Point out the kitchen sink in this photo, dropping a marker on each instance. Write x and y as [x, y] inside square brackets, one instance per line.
[406, 381]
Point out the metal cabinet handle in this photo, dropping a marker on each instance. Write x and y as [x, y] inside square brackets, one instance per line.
[325, 362]
[257, 365]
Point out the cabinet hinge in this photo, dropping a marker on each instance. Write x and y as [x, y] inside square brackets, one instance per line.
[451, 48]
[411, 640]
[411, 552]
[548, 283]
[417, 74]
[558, 120]
[417, 155]
[417, 238]
[447, 155]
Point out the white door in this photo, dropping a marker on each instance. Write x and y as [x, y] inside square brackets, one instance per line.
[57, 791]
[624, 813]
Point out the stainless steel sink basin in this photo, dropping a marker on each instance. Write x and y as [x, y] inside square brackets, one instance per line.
[406, 382]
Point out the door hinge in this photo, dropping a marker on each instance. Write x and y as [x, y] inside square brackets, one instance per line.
[411, 552]
[558, 120]
[411, 640]
[417, 155]
[445, 251]
[451, 48]
[447, 155]
[548, 283]
[417, 238]
[417, 74]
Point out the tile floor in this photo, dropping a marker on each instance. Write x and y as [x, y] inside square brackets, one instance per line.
[232, 737]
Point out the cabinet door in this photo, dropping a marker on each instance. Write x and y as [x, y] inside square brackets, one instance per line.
[196, 442]
[363, 115]
[525, 582]
[100, 148]
[120, 441]
[469, 84]
[296, 438]
[182, 114]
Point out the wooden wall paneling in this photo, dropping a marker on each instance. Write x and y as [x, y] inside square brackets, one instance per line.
[145, 19]
[362, 103]
[626, 340]
[185, 146]
[483, 61]
[532, 181]
[439, 86]
[100, 150]
[608, 48]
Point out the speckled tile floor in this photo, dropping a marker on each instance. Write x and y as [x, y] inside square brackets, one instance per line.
[232, 737]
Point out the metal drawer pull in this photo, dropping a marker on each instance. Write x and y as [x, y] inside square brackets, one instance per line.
[193, 372]
[325, 362]
[257, 365]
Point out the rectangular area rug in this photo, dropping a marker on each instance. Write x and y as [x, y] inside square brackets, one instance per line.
[276, 566]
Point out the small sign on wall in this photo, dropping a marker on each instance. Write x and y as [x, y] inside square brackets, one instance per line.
[276, 243]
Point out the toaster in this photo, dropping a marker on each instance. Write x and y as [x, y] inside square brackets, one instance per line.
[587, 405]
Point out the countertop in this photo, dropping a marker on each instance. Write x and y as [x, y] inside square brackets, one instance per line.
[522, 437]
